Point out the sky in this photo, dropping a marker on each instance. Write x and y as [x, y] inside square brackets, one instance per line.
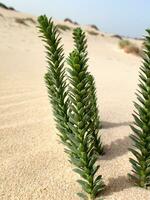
[124, 17]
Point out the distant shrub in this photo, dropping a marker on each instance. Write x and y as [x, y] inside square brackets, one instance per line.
[11, 8]
[123, 43]
[70, 21]
[94, 27]
[5, 7]
[30, 20]
[24, 21]
[130, 47]
[139, 38]
[21, 21]
[117, 36]
[75, 23]
[93, 33]
[63, 27]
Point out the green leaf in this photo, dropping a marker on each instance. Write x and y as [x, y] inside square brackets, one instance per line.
[138, 121]
[94, 170]
[98, 188]
[147, 171]
[81, 173]
[83, 196]
[137, 131]
[92, 161]
[86, 187]
[135, 153]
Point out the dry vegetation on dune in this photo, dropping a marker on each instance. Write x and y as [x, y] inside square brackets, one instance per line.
[130, 47]
[21, 21]
[70, 21]
[6, 7]
[117, 36]
[29, 19]
[93, 26]
[123, 43]
[24, 21]
[63, 27]
[93, 33]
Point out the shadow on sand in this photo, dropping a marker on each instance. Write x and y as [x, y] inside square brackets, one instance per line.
[116, 149]
[117, 185]
[107, 125]
[113, 150]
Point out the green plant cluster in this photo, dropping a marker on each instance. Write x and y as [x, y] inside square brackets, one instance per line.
[72, 94]
[75, 110]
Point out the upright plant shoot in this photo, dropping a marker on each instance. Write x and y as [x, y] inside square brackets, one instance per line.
[80, 43]
[69, 108]
[141, 127]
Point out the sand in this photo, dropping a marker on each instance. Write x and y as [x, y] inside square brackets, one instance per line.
[33, 165]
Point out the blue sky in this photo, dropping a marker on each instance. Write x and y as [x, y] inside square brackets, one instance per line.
[125, 17]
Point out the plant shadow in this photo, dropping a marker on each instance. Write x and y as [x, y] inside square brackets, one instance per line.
[117, 148]
[117, 185]
[107, 125]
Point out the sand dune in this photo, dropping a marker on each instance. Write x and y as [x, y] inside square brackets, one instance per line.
[32, 162]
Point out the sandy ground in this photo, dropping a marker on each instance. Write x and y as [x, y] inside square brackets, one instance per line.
[33, 165]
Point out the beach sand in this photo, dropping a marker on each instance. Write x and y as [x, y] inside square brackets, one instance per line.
[33, 165]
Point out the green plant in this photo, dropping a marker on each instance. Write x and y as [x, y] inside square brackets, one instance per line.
[141, 127]
[63, 27]
[94, 122]
[80, 43]
[84, 158]
[69, 108]
[123, 43]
